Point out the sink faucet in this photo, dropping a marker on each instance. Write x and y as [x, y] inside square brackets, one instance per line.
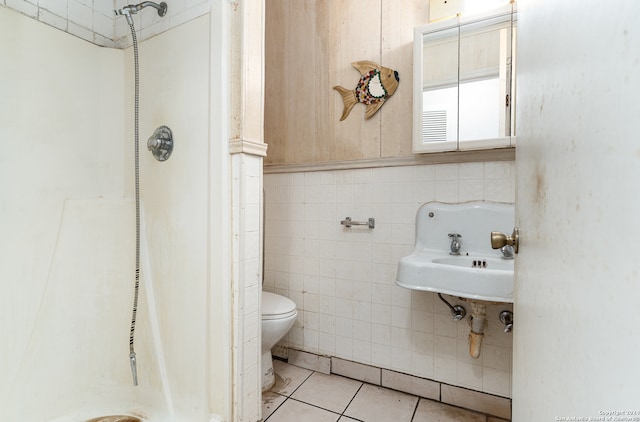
[507, 252]
[455, 243]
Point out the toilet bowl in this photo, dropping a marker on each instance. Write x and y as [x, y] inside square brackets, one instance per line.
[278, 315]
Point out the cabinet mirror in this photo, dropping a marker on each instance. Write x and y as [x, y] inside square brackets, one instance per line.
[464, 85]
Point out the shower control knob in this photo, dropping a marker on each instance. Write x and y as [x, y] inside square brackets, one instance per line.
[161, 143]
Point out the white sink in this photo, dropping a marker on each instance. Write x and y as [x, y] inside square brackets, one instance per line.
[479, 272]
[476, 262]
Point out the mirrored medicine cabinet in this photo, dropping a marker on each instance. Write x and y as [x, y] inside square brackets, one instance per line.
[464, 83]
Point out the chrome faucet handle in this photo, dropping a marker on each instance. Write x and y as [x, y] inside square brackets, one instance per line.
[506, 317]
[507, 252]
[455, 243]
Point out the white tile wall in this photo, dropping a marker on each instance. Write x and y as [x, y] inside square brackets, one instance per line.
[94, 20]
[343, 280]
[246, 276]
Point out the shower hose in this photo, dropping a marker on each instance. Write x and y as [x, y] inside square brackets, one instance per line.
[132, 353]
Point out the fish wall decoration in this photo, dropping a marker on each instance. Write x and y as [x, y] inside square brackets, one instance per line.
[376, 84]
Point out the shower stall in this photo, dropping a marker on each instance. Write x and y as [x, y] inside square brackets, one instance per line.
[68, 230]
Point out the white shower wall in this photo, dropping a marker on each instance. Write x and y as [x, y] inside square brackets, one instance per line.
[343, 280]
[67, 126]
[60, 141]
[174, 91]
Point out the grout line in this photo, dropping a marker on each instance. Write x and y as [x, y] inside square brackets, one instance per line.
[301, 384]
[316, 406]
[415, 409]
[276, 409]
[289, 396]
[351, 401]
[362, 383]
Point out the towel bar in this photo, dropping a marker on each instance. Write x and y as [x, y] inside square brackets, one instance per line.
[347, 222]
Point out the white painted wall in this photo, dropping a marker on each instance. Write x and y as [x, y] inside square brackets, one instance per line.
[577, 284]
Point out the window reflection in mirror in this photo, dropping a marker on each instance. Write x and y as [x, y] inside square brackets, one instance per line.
[466, 85]
[440, 86]
[485, 61]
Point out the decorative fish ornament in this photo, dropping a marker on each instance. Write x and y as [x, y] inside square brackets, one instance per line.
[374, 87]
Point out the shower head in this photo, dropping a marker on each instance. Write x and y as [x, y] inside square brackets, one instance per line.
[131, 9]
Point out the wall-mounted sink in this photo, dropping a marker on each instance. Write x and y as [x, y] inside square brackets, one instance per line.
[478, 272]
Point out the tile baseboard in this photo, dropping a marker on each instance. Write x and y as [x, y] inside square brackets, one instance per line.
[355, 370]
[310, 361]
[465, 398]
[476, 400]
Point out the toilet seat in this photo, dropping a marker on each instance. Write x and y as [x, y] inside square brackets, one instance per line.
[276, 306]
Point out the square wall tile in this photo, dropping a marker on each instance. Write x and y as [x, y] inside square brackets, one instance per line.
[401, 360]
[447, 190]
[79, 12]
[381, 355]
[326, 344]
[469, 376]
[424, 173]
[422, 364]
[447, 171]
[102, 24]
[473, 171]
[57, 7]
[445, 369]
[52, 19]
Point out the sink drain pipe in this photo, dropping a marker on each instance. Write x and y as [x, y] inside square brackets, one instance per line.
[478, 322]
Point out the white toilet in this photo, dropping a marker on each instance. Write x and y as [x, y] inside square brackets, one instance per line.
[278, 315]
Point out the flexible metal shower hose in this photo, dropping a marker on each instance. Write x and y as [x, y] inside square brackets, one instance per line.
[132, 353]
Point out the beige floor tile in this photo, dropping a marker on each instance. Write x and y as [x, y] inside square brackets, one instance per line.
[431, 411]
[347, 419]
[270, 402]
[295, 411]
[331, 392]
[288, 377]
[377, 404]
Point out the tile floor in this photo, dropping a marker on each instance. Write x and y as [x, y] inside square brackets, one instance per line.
[304, 395]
